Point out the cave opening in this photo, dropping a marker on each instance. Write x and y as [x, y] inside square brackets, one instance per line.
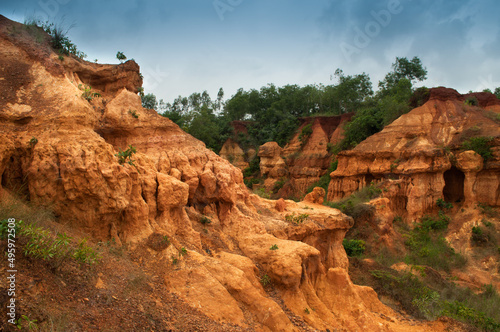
[453, 190]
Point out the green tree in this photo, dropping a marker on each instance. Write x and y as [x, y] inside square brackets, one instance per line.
[120, 56]
[149, 101]
[412, 70]
[497, 92]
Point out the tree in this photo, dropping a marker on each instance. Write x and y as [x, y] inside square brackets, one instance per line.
[149, 101]
[497, 92]
[412, 70]
[120, 56]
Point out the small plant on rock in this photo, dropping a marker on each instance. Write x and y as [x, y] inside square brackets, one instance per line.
[274, 247]
[265, 280]
[134, 113]
[87, 93]
[120, 56]
[33, 141]
[126, 156]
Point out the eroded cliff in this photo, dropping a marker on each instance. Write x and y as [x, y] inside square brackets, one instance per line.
[242, 261]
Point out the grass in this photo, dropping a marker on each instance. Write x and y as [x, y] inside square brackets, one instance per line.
[354, 205]
[427, 245]
[296, 219]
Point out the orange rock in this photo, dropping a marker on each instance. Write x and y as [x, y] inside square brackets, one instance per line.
[317, 196]
[280, 205]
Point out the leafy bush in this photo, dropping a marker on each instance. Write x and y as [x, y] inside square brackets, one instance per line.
[471, 101]
[481, 145]
[134, 113]
[265, 280]
[478, 236]
[305, 133]
[354, 247]
[205, 220]
[427, 246]
[354, 205]
[42, 244]
[87, 93]
[126, 156]
[443, 205]
[120, 56]
[296, 219]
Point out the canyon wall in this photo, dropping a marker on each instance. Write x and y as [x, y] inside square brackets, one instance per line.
[421, 158]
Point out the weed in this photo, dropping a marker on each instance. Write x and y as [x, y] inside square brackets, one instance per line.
[175, 261]
[32, 142]
[306, 310]
[471, 101]
[305, 133]
[278, 185]
[262, 193]
[441, 203]
[87, 93]
[120, 56]
[274, 247]
[265, 280]
[25, 321]
[85, 254]
[183, 252]
[205, 220]
[134, 113]
[478, 236]
[487, 210]
[428, 247]
[481, 145]
[126, 156]
[354, 247]
[296, 219]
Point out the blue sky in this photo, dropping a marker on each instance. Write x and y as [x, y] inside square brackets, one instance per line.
[186, 46]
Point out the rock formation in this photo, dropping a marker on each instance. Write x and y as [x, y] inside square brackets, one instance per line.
[420, 157]
[76, 156]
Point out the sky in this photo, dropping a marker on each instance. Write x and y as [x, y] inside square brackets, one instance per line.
[186, 46]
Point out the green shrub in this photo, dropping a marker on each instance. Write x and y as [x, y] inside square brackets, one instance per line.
[120, 56]
[205, 220]
[471, 101]
[299, 219]
[443, 205]
[126, 156]
[87, 93]
[59, 40]
[427, 246]
[274, 247]
[481, 145]
[305, 133]
[265, 280]
[354, 247]
[478, 236]
[33, 141]
[134, 113]
[278, 185]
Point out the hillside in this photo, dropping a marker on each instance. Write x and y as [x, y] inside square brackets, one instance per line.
[182, 245]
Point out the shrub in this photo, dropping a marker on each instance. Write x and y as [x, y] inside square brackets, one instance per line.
[60, 41]
[471, 101]
[265, 280]
[305, 133]
[126, 156]
[205, 220]
[481, 145]
[274, 247]
[120, 56]
[134, 113]
[296, 219]
[33, 141]
[87, 93]
[478, 236]
[354, 247]
[443, 205]
[428, 247]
